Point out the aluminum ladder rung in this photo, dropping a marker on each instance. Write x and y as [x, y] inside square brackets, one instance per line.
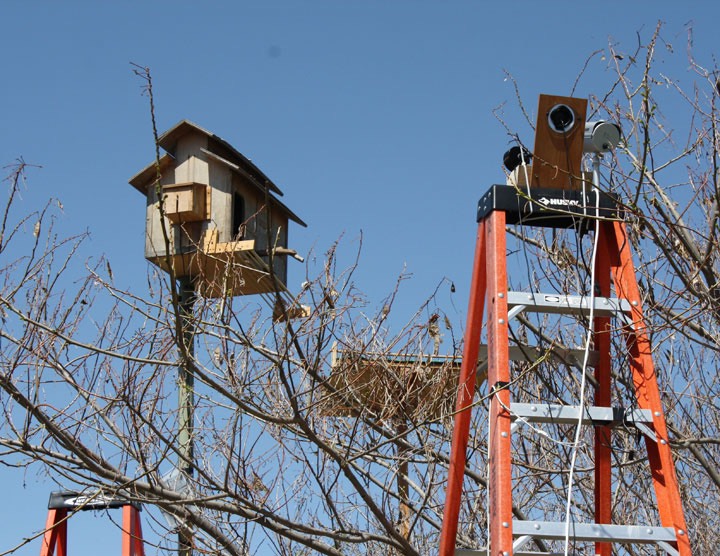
[525, 553]
[531, 354]
[594, 532]
[567, 304]
[483, 552]
[569, 414]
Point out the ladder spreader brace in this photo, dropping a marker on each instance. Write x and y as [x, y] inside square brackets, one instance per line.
[62, 504]
[489, 295]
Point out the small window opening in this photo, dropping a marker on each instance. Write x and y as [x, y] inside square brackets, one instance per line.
[238, 216]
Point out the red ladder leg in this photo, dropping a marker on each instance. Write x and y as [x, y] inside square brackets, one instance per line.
[647, 391]
[55, 533]
[603, 374]
[132, 541]
[466, 392]
[139, 543]
[500, 475]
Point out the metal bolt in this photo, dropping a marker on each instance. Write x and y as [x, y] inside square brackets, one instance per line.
[649, 531]
[504, 434]
[530, 296]
[537, 526]
[634, 303]
[533, 408]
[657, 414]
[663, 441]
[681, 532]
[501, 321]
[506, 524]
[501, 295]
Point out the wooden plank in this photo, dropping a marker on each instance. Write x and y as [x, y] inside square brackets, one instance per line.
[557, 155]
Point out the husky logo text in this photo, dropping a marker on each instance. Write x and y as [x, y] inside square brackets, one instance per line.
[562, 202]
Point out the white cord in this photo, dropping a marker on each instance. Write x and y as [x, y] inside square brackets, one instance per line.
[487, 498]
[578, 428]
[527, 177]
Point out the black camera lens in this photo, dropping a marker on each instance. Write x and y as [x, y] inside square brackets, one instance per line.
[561, 118]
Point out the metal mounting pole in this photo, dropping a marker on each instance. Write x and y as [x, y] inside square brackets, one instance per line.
[186, 399]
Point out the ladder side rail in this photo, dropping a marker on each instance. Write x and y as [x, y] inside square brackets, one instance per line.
[647, 390]
[603, 374]
[499, 454]
[55, 536]
[128, 531]
[139, 540]
[465, 394]
[132, 541]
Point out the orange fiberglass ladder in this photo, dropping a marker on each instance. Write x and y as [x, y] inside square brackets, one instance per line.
[63, 503]
[489, 295]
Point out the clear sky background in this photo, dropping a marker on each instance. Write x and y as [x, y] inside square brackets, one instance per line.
[374, 117]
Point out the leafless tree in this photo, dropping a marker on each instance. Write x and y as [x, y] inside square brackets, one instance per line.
[329, 433]
[294, 450]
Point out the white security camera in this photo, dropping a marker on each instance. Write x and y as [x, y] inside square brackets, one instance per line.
[601, 136]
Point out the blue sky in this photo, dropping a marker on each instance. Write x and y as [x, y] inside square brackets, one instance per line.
[374, 118]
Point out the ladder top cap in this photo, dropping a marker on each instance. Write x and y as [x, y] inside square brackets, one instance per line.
[80, 501]
[551, 208]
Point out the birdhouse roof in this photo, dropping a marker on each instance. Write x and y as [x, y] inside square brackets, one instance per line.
[144, 177]
[219, 150]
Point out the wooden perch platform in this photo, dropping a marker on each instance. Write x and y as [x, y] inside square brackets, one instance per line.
[224, 268]
[398, 386]
[421, 387]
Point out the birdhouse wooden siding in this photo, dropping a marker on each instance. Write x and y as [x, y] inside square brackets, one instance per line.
[222, 219]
